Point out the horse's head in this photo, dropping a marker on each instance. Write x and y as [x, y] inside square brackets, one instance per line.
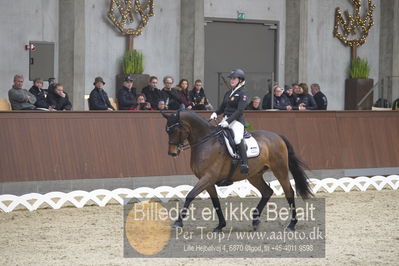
[177, 133]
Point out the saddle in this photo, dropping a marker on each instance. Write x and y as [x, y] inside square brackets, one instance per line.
[227, 140]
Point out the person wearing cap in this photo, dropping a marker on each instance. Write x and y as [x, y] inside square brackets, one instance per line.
[127, 95]
[233, 106]
[40, 93]
[98, 99]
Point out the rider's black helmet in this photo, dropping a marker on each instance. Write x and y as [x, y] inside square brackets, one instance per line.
[237, 73]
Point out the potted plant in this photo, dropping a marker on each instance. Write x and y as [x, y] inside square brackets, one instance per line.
[133, 65]
[358, 85]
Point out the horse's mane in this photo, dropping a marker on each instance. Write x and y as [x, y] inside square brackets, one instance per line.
[196, 116]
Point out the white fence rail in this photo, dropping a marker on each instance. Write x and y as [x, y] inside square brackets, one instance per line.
[102, 197]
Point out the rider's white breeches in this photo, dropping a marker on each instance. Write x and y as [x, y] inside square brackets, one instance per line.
[238, 130]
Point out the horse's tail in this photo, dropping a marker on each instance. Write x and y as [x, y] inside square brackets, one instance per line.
[296, 167]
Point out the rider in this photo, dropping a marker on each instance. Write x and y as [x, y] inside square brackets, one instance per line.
[233, 105]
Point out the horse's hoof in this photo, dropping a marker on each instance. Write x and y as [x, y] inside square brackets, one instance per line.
[292, 224]
[217, 230]
[255, 224]
[178, 224]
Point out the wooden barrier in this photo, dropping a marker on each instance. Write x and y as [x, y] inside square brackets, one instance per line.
[82, 145]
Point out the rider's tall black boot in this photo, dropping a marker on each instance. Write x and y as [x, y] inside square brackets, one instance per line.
[244, 169]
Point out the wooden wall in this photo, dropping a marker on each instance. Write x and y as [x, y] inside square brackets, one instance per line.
[81, 145]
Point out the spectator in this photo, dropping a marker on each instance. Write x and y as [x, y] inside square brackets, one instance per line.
[184, 94]
[197, 96]
[51, 83]
[170, 95]
[98, 99]
[280, 100]
[142, 104]
[127, 95]
[58, 99]
[254, 104]
[266, 99]
[40, 94]
[152, 93]
[161, 105]
[20, 98]
[289, 92]
[319, 97]
[303, 100]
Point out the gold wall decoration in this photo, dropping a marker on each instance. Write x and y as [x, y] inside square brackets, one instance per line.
[131, 16]
[353, 29]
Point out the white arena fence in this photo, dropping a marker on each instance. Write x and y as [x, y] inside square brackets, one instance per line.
[102, 197]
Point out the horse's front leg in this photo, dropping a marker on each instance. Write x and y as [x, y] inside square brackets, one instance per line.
[198, 188]
[216, 204]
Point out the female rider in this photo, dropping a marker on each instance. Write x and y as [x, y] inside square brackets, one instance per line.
[233, 105]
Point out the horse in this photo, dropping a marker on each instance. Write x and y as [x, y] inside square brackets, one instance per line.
[210, 163]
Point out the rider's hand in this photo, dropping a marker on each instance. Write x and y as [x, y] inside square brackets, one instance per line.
[214, 116]
[224, 123]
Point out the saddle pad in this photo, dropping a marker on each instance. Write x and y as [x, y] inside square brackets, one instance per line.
[252, 148]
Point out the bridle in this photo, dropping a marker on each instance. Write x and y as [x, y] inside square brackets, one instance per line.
[180, 145]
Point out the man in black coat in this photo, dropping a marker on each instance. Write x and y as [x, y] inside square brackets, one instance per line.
[127, 95]
[152, 93]
[319, 97]
[98, 99]
[170, 95]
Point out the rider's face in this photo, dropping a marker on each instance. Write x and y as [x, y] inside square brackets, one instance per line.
[234, 82]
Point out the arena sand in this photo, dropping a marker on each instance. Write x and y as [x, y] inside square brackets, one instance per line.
[362, 228]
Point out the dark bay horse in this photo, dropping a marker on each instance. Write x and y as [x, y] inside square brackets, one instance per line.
[210, 163]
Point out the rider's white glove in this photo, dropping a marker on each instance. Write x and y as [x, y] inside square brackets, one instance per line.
[224, 123]
[214, 116]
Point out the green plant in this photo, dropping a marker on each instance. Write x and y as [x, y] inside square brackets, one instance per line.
[133, 63]
[249, 127]
[359, 68]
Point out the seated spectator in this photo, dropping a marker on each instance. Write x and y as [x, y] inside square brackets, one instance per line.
[266, 99]
[170, 95]
[40, 94]
[280, 100]
[51, 83]
[21, 99]
[319, 97]
[184, 94]
[303, 100]
[98, 99]
[127, 95]
[254, 104]
[161, 105]
[289, 92]
[197, 96]
[152, 93]
[142, 104]
[58, 99]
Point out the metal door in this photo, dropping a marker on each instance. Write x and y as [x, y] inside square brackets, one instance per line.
[249, 46]
[41, 61]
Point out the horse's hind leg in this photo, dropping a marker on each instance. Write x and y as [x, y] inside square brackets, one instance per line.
[198, 188]
[280, 171]
[216, 204]
[258, 182]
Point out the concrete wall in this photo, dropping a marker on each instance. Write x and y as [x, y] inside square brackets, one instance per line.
[22, 21]
[254, 10]
[327, 59]
[105, 45]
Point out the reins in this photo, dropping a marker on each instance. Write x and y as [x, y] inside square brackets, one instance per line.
[187, 146]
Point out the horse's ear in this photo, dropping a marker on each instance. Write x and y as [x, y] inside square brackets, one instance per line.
[178, 115]
[164, 115]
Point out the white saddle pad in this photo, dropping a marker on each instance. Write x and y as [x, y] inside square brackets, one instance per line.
[252, 148]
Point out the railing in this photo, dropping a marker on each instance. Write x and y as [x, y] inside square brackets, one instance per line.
[384, 89]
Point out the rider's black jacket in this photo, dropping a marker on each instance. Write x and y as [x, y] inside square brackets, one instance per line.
[234, 105]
